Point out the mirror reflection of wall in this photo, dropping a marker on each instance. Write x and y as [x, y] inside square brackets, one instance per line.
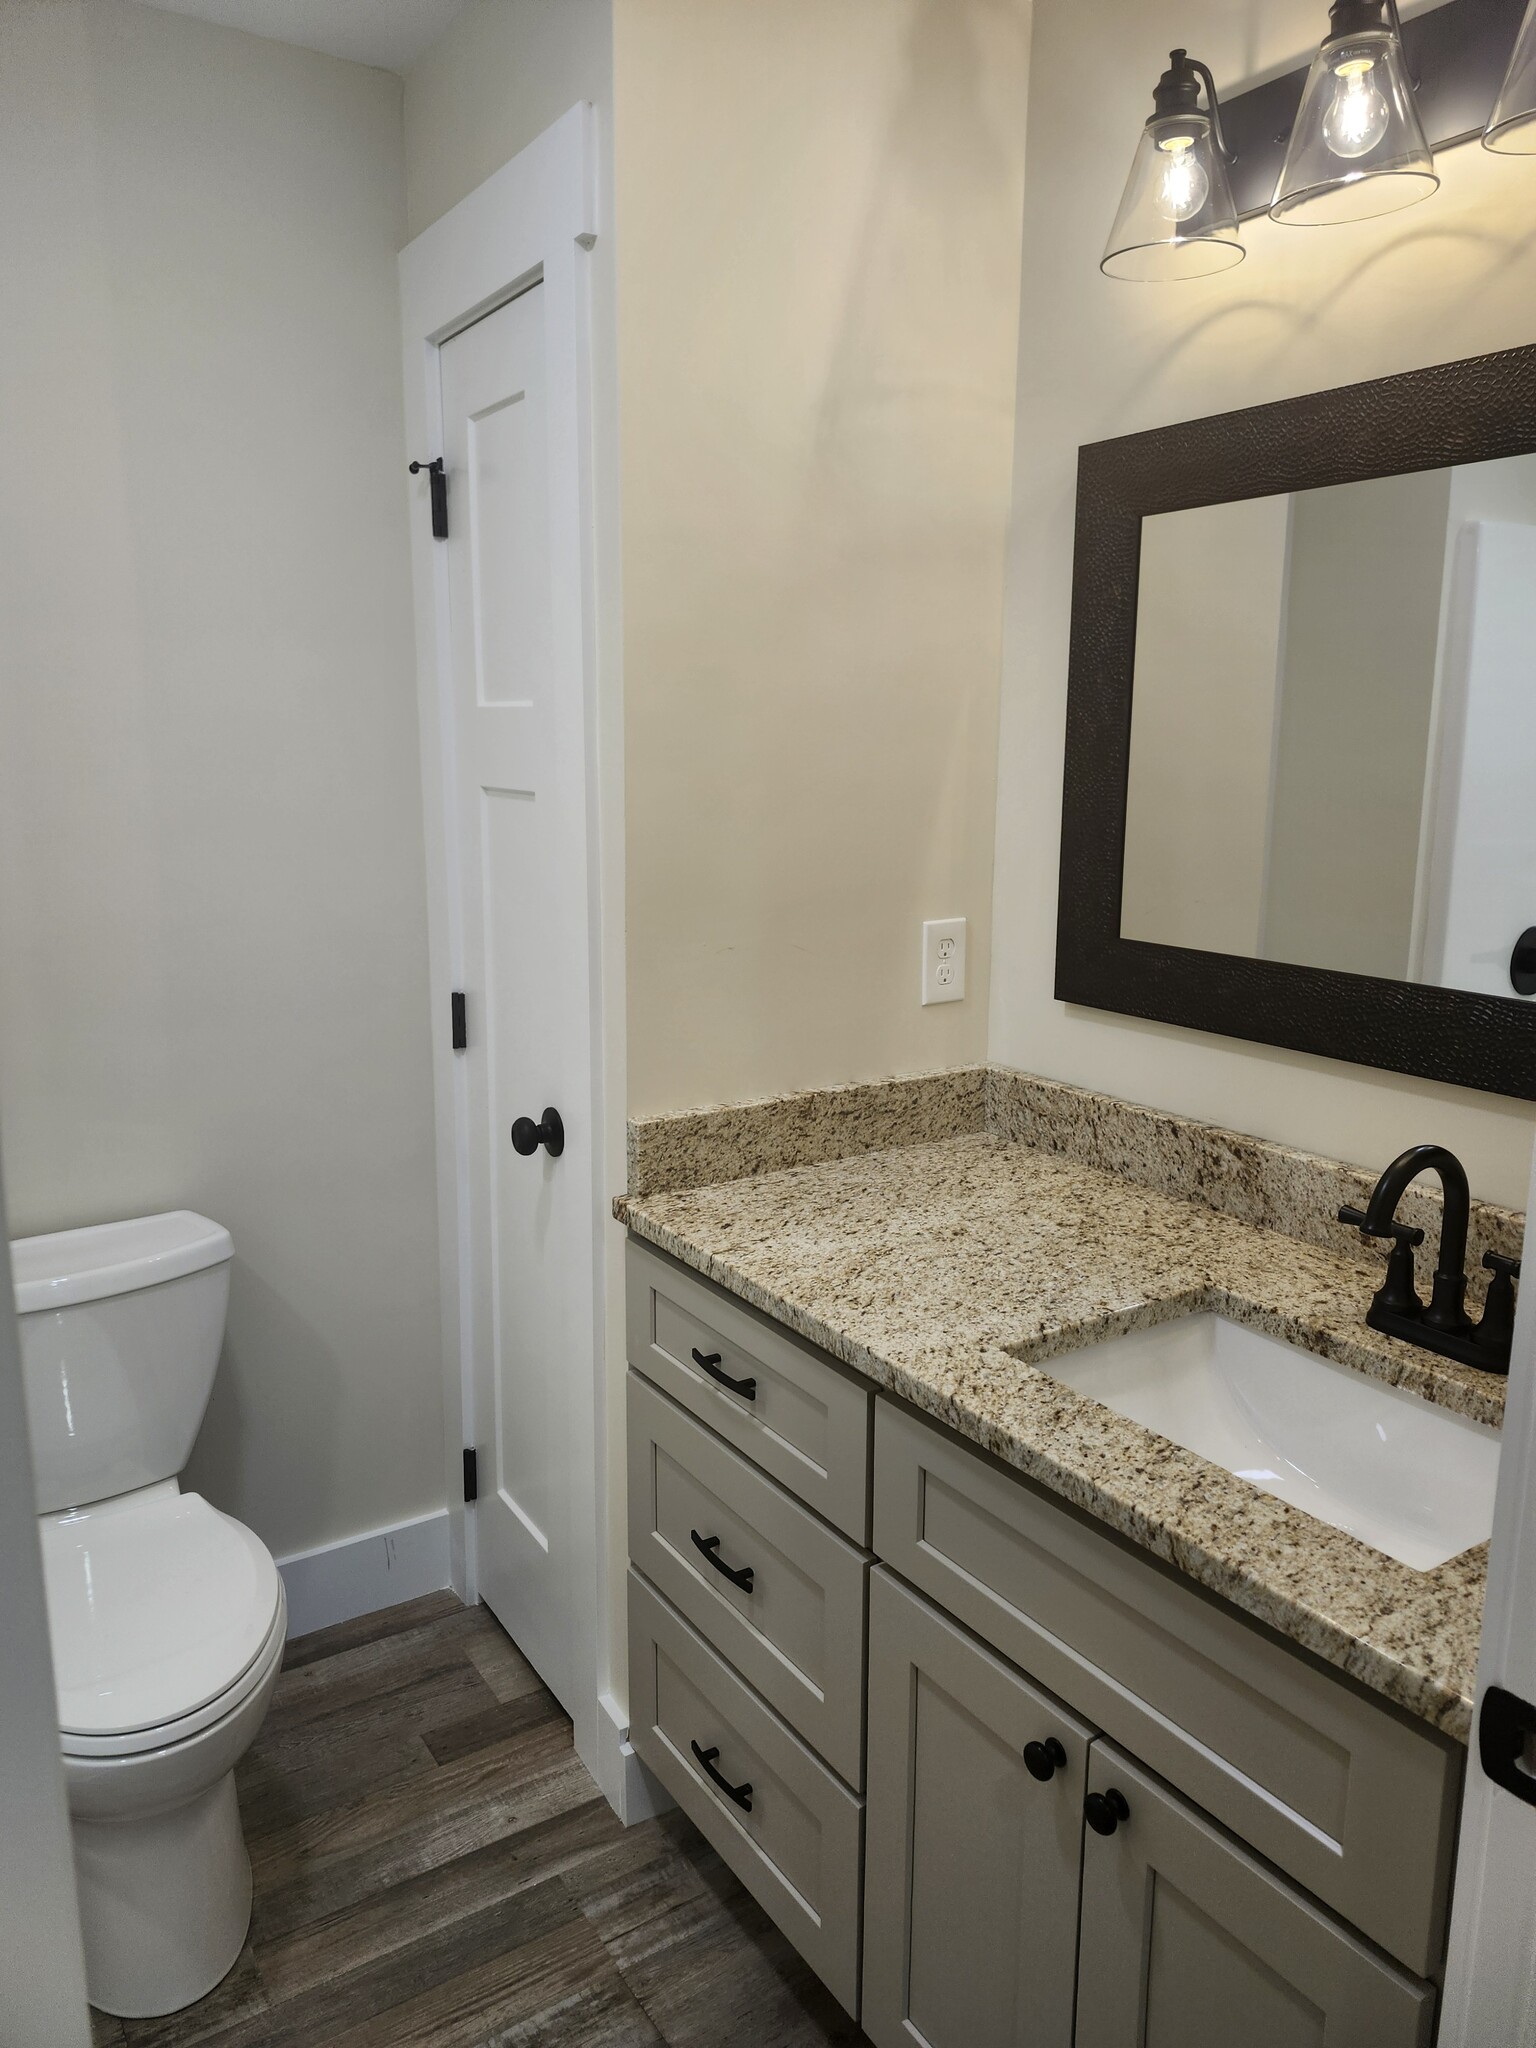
[1333, 727]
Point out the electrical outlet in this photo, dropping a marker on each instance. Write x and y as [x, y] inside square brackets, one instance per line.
[944, 960]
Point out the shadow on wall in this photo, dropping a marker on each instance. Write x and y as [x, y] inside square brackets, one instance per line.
[242, 1443]
[1292, 318]
[903, 384]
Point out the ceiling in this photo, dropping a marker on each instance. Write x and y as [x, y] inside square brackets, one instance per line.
[389, 33]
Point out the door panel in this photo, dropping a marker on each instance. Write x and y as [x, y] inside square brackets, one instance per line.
[518, 810]
[971, 1866]
[1190, 1942]
[1352, 1799]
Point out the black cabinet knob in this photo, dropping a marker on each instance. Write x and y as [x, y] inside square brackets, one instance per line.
[1104, 1811]
[527, 1136]
[1522, 963]
[1043, 1760]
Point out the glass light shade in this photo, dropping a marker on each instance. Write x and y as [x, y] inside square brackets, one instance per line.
[1512, 124]
[1176, 218]
[1358, 146]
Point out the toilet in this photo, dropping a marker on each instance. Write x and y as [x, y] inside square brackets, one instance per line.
[167, 1618]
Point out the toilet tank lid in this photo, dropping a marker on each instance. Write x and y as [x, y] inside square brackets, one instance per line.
[68, 1266]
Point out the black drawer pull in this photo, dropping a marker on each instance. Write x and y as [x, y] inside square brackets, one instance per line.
[742, 1794]
[710, 1545]
[1104, 1811]
[1043, 1760]
[746, 1388]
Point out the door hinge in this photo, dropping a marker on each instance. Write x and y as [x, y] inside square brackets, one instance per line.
[437, 479]
[460, 1024]
[471, 1474]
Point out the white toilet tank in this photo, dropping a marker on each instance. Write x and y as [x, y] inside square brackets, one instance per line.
[121, 1326]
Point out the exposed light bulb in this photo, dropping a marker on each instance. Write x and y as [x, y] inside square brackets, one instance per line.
[1357, 119]
[1183, 186]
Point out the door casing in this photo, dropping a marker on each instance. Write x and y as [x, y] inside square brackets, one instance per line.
[532, 222]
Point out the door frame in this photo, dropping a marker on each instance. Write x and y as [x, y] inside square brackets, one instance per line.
[534, 221]
[1490, 1977]
[42, 1959]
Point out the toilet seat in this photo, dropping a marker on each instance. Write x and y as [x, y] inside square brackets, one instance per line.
[140, 1741]
[164, 1615]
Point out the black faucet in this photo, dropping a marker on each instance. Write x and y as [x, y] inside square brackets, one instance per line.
[1396, 1309]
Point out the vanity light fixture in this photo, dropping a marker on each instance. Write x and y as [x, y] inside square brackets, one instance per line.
[1176, 217]
[1511, 126]
[1357, 147]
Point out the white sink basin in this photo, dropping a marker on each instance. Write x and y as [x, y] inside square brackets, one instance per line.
[1404, 1476]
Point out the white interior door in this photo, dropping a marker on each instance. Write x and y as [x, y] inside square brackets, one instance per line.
[517, 812]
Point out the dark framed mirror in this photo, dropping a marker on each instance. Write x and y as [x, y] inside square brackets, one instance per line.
[1300, 791]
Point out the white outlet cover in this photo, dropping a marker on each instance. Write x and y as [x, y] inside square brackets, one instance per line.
[944, 960]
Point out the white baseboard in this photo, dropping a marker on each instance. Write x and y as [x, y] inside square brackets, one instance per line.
[622, 1779]
[361, 1574]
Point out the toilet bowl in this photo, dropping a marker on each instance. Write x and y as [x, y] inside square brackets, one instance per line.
[167, 1618]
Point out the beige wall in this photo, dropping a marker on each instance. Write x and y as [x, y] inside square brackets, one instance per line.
[211, 887]
[502, 72]
[1308, 309]
[818, 215]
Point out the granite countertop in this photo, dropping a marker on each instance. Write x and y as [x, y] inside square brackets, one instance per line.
[952, 1272]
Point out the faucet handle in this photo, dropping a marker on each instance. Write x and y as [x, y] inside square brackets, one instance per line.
[1397, 1294]
[1495, 1333]
[1405, 1233]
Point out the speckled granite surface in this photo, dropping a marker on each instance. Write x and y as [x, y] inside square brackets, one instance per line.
[1276, 1187]
[694, 1148]
[952, 1271]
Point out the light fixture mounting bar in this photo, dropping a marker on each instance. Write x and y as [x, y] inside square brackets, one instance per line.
[1457, 52]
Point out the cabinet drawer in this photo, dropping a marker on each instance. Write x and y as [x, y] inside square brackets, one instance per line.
[804, 1420]
[1353, 1800]
[698, 1512]
[1187, 1938]
[798, 1847]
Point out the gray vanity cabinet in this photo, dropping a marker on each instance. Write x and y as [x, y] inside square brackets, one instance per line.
[972, 1861]
[852, 1634]
[1189, 1942]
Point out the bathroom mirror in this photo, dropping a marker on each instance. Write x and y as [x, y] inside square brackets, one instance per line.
[1300, 796]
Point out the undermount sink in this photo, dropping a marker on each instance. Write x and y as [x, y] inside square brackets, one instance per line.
[1411, 1479]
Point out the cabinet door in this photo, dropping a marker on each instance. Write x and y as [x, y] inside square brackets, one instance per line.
[971, 1862]
[1190, 1942]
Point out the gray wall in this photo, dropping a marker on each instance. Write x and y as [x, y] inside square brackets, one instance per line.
[1352, 738]
[1209, 610]
[212, 924]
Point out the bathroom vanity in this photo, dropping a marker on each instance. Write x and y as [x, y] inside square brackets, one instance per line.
[1004, 1771]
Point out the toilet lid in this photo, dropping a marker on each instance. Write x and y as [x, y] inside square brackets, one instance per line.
[157, 1604]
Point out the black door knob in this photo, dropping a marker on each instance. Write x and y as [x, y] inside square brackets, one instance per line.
[1104, 1811]
[527, 1136]
[1043, 1760]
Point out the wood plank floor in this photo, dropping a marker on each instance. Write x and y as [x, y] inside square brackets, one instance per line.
[434, 1869]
